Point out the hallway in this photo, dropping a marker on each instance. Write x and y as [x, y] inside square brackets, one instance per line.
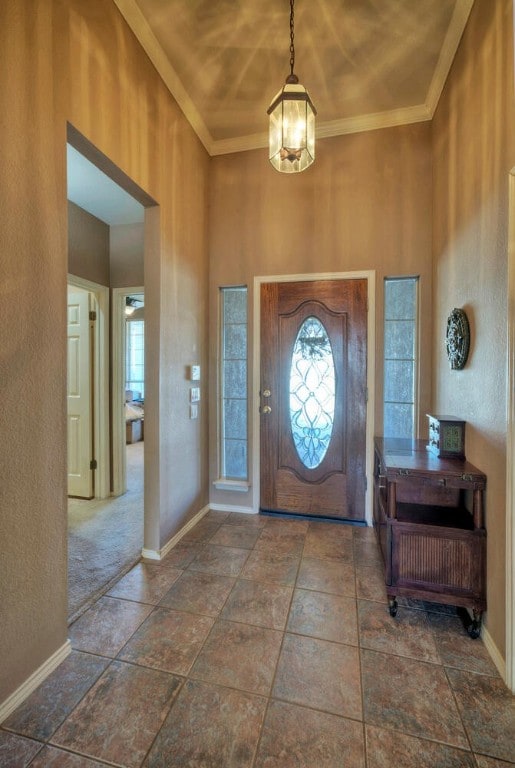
[105, 537]
[266, 643]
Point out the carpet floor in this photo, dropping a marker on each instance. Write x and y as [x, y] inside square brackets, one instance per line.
[105, 537]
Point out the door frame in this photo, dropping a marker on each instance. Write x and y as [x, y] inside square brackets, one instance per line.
[100, 359]
[117, 397]
[509, 672]
[370, 277]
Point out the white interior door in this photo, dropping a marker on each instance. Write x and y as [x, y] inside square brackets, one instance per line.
[80, 473]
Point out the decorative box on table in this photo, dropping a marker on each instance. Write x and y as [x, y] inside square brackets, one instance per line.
[446, 437]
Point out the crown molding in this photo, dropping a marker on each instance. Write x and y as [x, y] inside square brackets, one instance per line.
[450, 46]
[239, 143]
[374, 121]
[148, 41]
[326, 130]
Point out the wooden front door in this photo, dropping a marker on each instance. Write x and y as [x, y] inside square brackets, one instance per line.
[313, 398]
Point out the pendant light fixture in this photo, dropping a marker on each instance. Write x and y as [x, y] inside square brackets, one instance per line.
[292, 121]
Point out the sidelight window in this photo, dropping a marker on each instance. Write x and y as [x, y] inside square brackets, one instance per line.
[233, 381]
[400, 356]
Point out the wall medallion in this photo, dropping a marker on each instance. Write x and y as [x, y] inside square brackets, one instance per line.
[457, 340]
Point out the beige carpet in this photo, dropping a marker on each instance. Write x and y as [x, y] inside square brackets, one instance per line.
[105, 537]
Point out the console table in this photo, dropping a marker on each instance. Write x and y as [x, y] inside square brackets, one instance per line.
[428, 515]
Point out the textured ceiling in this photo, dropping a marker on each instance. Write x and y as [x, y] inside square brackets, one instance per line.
[365, 63]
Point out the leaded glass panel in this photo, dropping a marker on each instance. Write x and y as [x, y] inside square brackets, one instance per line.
[312, 392]
[400, 357]
[233, 416]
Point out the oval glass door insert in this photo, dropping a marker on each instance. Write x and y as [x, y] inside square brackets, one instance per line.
[312, 392]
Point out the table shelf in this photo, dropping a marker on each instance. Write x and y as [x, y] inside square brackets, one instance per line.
[433, 545]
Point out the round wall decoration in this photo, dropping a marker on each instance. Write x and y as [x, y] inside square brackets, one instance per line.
[457, 340]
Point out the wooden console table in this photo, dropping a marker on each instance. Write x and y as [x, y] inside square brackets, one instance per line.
[433, 546]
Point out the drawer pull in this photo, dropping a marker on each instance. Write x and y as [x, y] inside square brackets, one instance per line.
[404, 472]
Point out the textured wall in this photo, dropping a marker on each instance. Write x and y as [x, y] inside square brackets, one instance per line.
[365, 204]
[126, 249]
[88, 246]
[474, 151]
[76, 61]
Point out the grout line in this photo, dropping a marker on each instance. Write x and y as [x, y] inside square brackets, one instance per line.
[267, 697]
[362, 687]
[281, 645]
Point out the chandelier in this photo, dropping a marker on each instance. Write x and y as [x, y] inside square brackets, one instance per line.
[292, 121]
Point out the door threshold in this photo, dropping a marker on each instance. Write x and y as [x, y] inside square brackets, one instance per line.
[320, 518]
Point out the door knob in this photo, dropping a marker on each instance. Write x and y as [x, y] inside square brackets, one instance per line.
[266, 409]
[266, 393]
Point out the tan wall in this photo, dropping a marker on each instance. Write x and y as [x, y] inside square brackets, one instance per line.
[126, 250]
[76, 61]
[364, 205]
[107, 255]
[88, 246]
[474, 151]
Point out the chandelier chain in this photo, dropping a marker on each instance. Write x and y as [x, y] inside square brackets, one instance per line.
[292, 36]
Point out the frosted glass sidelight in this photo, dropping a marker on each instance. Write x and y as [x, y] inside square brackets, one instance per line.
[312, 392]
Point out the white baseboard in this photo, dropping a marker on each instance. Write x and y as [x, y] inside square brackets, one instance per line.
[170, 544]
[151, 554]
[494, 652]
[232, 508]
[159, 554]
[30, 685]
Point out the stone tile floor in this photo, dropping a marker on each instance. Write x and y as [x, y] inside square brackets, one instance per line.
[261, 642]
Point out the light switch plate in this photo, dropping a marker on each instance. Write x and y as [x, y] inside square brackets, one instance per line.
[194, 394]
[195, 372]
[194, 411]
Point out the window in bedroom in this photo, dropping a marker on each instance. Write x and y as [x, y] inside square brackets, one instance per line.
[233, 388]
[400, 357]
[135, 356]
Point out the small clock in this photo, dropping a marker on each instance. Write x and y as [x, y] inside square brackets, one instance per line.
[446, 437]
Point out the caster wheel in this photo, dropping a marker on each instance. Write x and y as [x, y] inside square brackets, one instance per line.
[474, 630]
[392, 607]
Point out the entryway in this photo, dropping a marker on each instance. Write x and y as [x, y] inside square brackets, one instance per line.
[314, 362]
[105, 525]
[105, 532]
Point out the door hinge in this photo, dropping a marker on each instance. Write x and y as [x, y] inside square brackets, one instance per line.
[366, 483]
[93, 464]
[366, 394]
[93, 315]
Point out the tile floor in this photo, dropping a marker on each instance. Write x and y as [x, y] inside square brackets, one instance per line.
[265, 643]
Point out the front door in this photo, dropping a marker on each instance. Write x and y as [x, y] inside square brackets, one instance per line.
[313, 398]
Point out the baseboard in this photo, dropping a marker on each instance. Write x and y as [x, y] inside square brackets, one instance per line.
[159, 554]
[151, 554]
[231, 508]
[494, 652]
[37, 677]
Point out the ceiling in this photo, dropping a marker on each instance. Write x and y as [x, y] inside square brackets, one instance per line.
[366, 63]
[90, 188]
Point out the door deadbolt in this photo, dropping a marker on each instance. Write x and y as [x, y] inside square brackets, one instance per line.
[266, 393]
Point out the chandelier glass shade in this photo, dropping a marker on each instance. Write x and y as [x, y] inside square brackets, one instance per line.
[292, 121]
